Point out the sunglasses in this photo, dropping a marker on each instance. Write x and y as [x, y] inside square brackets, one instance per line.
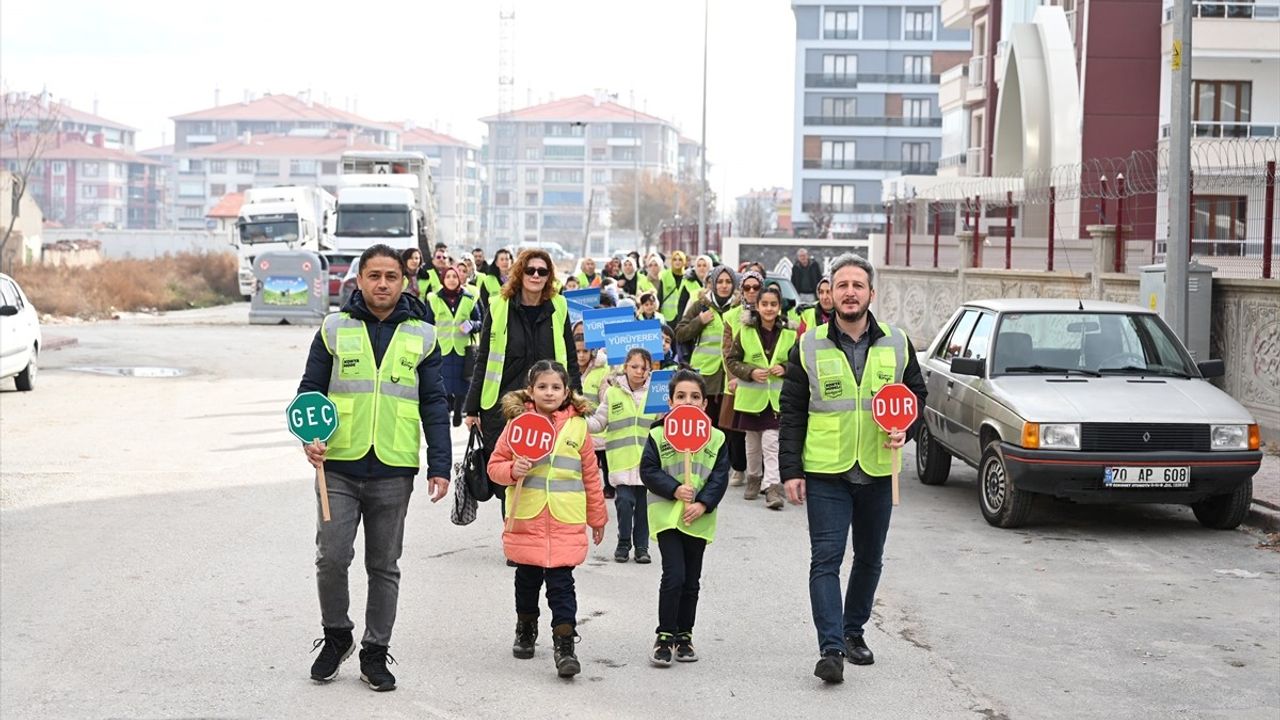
[750, 288]
[537, 271]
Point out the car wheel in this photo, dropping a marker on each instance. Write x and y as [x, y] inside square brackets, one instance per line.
[26, 380]
[933, 462]
[1003, 504]
[1225, 512]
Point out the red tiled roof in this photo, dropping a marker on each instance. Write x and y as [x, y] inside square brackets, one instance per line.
[427, 136]
[582, 109]
[283, 107]
[161, 151]
[61, 110]
[283, 146]
[227, 207]
[71, 149]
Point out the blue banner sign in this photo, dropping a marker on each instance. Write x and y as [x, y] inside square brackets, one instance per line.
[586, 296]
[576, 309]
[621, 337]
[593, 322]
[657, 400]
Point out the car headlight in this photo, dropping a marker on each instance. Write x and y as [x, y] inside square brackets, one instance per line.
[1060, 436]
[1228, 437]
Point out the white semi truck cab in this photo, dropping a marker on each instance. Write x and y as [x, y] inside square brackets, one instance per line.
[281, 218]
[384, 197]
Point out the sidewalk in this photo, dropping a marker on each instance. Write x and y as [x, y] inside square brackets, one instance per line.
[1265, 514]
[56, 342]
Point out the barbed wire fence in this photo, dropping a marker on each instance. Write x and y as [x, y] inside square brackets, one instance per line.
[1040, 220]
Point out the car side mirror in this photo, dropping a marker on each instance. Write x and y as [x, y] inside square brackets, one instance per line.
[1212, 368]
[11, 310]
[976, 367]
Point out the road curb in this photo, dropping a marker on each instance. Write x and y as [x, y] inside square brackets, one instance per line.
[1263, 518]
[57, 342]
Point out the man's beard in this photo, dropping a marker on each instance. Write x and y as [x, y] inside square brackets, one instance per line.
[853, 317]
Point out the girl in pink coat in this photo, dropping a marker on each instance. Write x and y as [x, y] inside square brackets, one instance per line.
[562, 496]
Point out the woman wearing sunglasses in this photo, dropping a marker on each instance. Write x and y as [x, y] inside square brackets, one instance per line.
[528, 322]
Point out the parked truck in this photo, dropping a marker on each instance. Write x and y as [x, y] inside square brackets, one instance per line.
[385, 197]
[288, 217]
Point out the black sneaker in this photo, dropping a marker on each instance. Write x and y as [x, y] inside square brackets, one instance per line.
[526, 636]
[663, 649]
[684, 648]
[856, 650]
[336, 646]
[622, 552]
[373, 668]
[567, 664]
[642, 556]
[831, 667]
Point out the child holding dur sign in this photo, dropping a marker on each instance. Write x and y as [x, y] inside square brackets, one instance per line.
[683, 520]
[558, 496]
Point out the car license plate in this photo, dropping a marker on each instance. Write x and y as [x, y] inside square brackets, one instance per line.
[1146, 476]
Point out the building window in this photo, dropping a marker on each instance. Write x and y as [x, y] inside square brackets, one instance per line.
[624, 130]
[502, 176]
[89, 169]
[531, 176]
[563, 197]
[600, 130]
[191, 190]
[218, 166]
[502, 198]
[268, 167]
[1218, 225]
[1222, 108]
[303, 167]
[217, 190]
[917, 24]
[839, 107]
[531, 221]
[59, 190]
[840, 24]
[504, 129]
[58, 167]
[531, 199]
[598, 153]
[917, 67]
[564, 151]
[531, 153]
[915, 155]
[839, 66]
[533, 130]
[624, 153]
[838, 154]
[915, 110]
[500, 222]
[564, 129]
[564, 175]
[88, 191]
[245, 167]
[839, 198]
[192, 212]
[598, 177]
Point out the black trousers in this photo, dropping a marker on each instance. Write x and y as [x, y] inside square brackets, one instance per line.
[681, 573]
[560, 593]
[603, 461]
[737, 442]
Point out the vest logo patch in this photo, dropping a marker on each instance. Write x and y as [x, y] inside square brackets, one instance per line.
[406, 362]
[573, 444]
[831, 389]
[350, 365]
[885, 376]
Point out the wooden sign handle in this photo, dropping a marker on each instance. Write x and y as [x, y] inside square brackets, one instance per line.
[897, 457]
[688, 479]
[515, 501]
[322, 487]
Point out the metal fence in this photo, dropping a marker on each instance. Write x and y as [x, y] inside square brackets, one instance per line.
[1041, 220]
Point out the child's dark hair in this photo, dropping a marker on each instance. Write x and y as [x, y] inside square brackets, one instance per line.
[546, 366]
[382, 250]
[686, 375]
[644, 354]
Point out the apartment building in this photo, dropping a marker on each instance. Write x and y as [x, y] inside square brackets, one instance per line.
[866, 106]
[551, 167]
[40, 113]
[457, 177]
[205, 173]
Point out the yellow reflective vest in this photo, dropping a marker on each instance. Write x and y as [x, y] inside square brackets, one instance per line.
[377, 404]
[841, 431]
[708, 355]
[627, 429]
[499, 310]
[555, 482]
[665, 514]
[751, 396]
[449, 324]
[669, 294]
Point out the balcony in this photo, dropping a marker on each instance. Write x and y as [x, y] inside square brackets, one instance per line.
[871, 121]
[955, 14]
[1228, 130]
[842, 208]
[973, 162]
[976, 89]
[905, 166]
[1231, 28]
[825, 80]
[1230, 9]
[952, 86]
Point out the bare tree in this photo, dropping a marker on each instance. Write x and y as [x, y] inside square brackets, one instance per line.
[821, 216]
[26, 125]
[752, 218]
[659, 196]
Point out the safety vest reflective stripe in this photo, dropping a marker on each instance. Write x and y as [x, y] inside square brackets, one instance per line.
[377, 404]
[555, 482]
[752, 396]
[499, 309]
[449, 324]
[841, 431]
[627, 429]
[665, 514]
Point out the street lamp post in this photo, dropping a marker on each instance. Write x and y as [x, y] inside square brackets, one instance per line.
[702, 151]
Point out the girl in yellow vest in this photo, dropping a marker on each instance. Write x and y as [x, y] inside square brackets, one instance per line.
[412, 262]
[758, 360]
[622, 418]
[456, 315]
[593, 368]
[561, 494]
[682, 517]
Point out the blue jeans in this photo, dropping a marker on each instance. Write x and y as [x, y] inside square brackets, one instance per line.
[560, 592]
[633, 515]
[834, 506]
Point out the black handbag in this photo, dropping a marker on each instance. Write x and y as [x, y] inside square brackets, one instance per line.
[474, 470]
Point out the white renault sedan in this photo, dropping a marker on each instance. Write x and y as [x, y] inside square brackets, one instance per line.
[19, 335]
[1090, 401]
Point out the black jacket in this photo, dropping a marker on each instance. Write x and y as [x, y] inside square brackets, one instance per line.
[794, 417]
[432, 406]
[527, 343]
[806, 277]
[660, 483]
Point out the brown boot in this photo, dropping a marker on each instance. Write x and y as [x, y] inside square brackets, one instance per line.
[735, 478]
[773, 497]
[753, 487]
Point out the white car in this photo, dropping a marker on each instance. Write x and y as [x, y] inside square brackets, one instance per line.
[19, 335]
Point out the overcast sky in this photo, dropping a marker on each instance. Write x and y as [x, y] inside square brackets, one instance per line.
[433, 62]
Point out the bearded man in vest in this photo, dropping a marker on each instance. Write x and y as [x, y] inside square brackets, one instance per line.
[832, 454]
[377, 360]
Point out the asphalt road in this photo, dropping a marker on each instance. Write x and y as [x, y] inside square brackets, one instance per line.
[156, 561]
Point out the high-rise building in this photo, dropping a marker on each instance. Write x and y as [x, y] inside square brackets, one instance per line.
[457, 178]
[866, 107]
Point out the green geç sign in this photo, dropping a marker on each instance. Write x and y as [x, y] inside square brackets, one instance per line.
[312, 417]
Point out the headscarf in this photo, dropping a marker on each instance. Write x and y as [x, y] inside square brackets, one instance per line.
[450, 297]
[722, 304]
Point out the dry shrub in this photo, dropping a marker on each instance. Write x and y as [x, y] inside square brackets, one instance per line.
[171, 282]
